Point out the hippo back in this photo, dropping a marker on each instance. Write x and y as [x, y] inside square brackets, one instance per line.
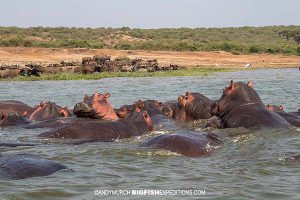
[23, 166]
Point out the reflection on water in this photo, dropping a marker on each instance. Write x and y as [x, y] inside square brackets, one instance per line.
[251, 164]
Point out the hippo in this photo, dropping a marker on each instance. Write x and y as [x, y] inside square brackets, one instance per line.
[291, 118]
[124, 110]
[295, 113]
[96, 106]
[241, 106]
[134, 124]
[10, 144]
[49, 110]
[86, 60]
[168, 108]
[11, 106]
[21, 166]
[13, 119]
[192, 106]
[53, 123]
[152, 107]
[186, 143]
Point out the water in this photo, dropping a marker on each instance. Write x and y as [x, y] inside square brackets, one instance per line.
[250, 165]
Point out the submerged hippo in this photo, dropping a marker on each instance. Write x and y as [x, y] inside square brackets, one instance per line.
[48, 111]
[11, 106]
[13, 119]
[168, 108]
[96, 106]
[291, 118]
[241, 106]
[187, 143]
[152, 107]
[192, 106]
[295, 113]
[134, 124]
[124, 110]
[9, 144]
[23, 166]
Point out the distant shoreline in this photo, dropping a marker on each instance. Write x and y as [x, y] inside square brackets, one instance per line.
[215, 59]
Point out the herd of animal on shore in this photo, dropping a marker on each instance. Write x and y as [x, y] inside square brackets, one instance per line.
[95, 120]
[88, 65]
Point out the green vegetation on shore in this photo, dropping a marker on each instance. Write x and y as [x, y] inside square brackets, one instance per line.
[243, 40]
[96, 76]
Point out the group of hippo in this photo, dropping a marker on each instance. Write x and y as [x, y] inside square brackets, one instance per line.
[95, 120]
[89, 65]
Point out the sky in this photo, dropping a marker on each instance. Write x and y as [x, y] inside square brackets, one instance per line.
[149, 13]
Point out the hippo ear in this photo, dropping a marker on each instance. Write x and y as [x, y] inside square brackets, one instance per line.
[180, 98]
[145, 114]
[3, 115]
[42, 103]
[138, 104]
[25, 114]
[250, 84]
[122, 109]
[106, 95]
[85, 97]
[281, 107]
[188, 94]
[231, 82]
[268, 106]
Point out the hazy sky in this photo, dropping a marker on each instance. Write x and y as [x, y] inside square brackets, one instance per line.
[149, 13]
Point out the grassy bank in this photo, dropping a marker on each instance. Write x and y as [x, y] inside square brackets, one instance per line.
[96, 76]
[242, 40]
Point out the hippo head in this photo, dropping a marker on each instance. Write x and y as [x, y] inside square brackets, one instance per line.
[12, 119]
[179, 110]
[141, 120]
[47, 111]
[183, 100]
[274, 108]
[152, 107]
[168, 110]
[96, 106]
[125, 110]
[234, 95]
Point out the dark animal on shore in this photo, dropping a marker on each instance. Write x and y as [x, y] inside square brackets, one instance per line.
[10, 73]
[84, 69]
[86, 60]
[187, 143]
[51, 70]
[21, 166]
[101, 59]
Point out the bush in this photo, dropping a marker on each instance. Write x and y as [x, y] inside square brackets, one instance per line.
[270, 39]
[298, 50]
[254, 49]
